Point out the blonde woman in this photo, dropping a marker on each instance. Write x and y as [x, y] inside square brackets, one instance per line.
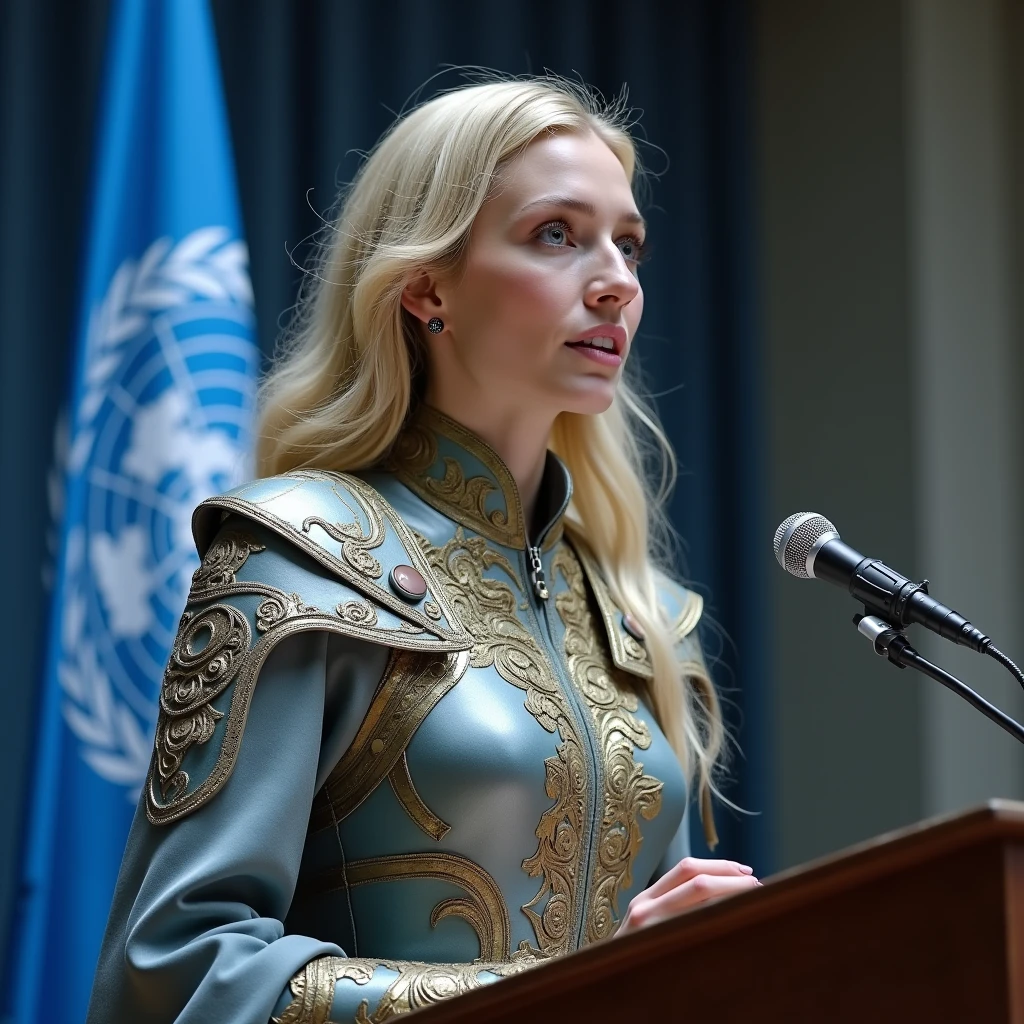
[434, 713]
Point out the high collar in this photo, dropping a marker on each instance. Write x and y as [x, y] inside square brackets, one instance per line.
[456, 472]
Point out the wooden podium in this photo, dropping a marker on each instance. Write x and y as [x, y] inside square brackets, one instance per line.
[925, 924]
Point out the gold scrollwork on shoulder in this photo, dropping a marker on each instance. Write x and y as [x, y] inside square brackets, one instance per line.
[355, 544]
[488, 608]
[289, 618]
[225, 556]
[441, 632]
[278, 608]
[358, 613]
[629, 794]
[205, 658]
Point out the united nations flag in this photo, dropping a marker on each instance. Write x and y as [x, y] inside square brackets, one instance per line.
[160, 418]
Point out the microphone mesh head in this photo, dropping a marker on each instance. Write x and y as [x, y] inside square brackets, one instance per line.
[796, 536]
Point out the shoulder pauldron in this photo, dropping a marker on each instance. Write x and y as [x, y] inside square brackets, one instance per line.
[310, 550]
[682, 609]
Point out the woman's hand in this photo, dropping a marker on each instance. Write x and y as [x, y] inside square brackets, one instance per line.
[691, 882]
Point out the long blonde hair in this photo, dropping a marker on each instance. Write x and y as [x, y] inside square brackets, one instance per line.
[351, 366]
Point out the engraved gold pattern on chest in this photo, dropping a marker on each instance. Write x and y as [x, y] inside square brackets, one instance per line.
[629, 794]
[488, 609]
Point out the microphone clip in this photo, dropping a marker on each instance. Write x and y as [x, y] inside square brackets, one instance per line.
[886, 640]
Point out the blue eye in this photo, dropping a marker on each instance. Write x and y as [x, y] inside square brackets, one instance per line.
[633, 249]
[555, 228]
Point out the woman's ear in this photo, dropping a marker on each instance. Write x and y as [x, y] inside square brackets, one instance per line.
[420, 298]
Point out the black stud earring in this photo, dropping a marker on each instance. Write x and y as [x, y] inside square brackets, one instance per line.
[435, 325]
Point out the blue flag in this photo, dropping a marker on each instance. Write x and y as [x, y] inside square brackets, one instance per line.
[160, 417]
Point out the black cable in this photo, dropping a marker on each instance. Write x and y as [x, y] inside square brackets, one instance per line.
[902, 654]
[994, 652]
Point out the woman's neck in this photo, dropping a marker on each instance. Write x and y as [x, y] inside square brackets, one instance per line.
[520, 441]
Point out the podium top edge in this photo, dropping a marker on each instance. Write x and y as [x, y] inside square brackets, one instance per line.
[994, 818]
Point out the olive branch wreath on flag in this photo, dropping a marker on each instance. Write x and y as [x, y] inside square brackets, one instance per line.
[206, 264]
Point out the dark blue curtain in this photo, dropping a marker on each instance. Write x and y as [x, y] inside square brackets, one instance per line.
[309, 86]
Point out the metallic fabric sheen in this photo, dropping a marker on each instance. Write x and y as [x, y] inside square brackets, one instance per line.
[361, 801]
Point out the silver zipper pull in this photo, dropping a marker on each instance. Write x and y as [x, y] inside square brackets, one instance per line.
[540, 585]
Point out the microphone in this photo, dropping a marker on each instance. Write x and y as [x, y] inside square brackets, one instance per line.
[807, 545]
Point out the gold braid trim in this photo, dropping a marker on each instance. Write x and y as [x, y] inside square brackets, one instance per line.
[313, 991]
[417, 985]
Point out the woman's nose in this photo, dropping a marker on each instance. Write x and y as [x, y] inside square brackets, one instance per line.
[614, 284]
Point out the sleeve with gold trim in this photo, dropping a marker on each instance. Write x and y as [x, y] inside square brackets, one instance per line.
[285, 637]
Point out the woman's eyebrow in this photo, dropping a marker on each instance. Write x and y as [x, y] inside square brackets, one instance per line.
[582, 206]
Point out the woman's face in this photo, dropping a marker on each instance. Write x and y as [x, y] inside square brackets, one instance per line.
[552, 257]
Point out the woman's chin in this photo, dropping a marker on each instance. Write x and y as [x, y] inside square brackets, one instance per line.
[590, 398]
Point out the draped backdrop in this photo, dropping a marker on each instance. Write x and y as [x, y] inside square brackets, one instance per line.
[310, 86]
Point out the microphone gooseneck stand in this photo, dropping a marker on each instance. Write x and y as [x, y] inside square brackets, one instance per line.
[1010, 666]
[891, 644]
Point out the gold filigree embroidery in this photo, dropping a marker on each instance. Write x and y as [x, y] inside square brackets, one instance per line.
[226, 555]
[245, 683]
[196, 674]
[417, 985]
[412, 686]
[431, 609]
[420, 985]
[460, 498]
[354, 543]
[449, 632]
[274, 610]
[359, 613]
[488, 609]
[484, 909]
[634, 648]
[629, 794]
[313, 989]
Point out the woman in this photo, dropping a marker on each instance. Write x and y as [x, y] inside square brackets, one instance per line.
[432, 712]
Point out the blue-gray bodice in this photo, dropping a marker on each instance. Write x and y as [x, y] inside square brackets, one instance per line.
[403, 750]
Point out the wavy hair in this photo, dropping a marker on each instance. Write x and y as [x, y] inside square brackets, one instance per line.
[351, 368]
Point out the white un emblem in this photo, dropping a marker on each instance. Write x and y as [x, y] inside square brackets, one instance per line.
[163, 420]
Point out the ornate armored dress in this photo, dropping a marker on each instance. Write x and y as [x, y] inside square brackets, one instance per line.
[403, 750]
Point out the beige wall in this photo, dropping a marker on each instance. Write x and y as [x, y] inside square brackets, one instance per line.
[890, 229]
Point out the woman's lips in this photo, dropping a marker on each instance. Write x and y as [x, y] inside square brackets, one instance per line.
[604, 356]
